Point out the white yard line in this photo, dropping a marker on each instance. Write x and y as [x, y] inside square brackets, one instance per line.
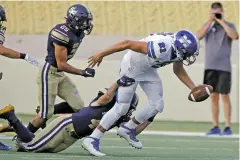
[179, 140]
[184, 134]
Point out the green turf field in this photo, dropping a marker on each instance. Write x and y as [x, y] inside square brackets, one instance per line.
[155, 148]
[160, 125]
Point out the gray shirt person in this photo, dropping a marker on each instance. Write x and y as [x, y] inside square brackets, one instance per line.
[218, 48]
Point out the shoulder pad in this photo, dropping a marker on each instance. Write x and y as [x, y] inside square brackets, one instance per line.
[59, 34]
[158, 49]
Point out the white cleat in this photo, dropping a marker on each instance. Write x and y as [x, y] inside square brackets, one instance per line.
[92, 146]
[130, 136]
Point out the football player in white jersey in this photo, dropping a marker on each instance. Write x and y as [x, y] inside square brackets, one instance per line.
[140, 63]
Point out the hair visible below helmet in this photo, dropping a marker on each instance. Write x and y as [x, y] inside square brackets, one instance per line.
[186, 46]
[79, 18]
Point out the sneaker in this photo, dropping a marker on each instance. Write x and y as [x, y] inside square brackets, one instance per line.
[214, 131]
[92, 146]
[227, 131]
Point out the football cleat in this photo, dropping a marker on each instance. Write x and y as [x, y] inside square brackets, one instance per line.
[92, 146]
[4, 147]
[6, 112]
[130, 136]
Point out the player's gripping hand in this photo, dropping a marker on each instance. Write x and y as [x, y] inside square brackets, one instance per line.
[88, 72]
[125, 81]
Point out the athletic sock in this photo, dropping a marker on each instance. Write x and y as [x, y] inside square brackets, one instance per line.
[23, 133]
[130, 124]
[96, 134]
[32, 128]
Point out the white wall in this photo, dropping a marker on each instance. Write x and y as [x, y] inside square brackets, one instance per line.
[18, 86]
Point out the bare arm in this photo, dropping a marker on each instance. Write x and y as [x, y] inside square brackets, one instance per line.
[61, 57]
[136, 46]
[182, 75]
[108, 96]
[203, 30]
[9, 53]
[230, 31]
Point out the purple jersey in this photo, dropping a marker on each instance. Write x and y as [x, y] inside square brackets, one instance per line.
[63, 36]
[87, 119]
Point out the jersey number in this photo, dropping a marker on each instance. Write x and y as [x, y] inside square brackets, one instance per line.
[162, 47]
[64, 28]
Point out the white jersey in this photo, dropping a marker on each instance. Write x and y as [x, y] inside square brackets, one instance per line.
[159, 54]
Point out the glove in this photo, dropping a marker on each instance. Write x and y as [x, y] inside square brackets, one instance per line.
[30, 59]
[2, 32]
[88, 72]
[125, 81]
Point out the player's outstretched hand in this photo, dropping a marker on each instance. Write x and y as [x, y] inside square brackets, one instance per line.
[125, 81]
[96, 59]
[88, 72]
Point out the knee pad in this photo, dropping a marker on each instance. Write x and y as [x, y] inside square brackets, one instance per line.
[158, 104]
[121, 108]
[146, 113]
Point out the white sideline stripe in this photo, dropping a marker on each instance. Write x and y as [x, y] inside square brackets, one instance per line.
[165, 133]
[167, 148]
[178, 140]
[187, 134]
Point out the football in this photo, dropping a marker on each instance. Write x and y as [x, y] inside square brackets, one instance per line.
[200, 93]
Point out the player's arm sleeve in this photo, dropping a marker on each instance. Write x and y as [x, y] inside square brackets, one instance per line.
[2, 38]
[59, 37]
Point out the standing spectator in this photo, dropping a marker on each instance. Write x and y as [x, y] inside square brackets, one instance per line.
[218, 34]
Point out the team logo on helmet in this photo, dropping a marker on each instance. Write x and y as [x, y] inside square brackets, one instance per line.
[72, 10]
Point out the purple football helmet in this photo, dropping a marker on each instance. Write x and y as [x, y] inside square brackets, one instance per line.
[79, 18]
[186, 46]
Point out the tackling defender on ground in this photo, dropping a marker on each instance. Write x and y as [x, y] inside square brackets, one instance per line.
[140, 63]
[64, 131]
[63, 42]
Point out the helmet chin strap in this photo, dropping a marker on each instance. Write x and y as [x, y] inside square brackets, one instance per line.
[188, 61]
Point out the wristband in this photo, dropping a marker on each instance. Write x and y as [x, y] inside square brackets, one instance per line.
[22, 55]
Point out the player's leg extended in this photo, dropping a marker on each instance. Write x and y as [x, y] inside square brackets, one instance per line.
[154, 93]
[56, 137]
[47, 81]
[121, 107]
[23, 133]
[68, 91]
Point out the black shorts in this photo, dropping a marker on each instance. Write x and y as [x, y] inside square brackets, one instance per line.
[219, 80]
